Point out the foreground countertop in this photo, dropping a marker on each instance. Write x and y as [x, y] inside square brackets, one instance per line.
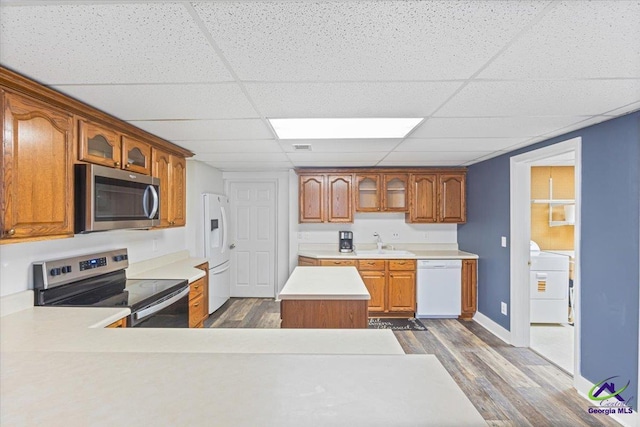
[325, 283]
[416, 254]
[162, 389]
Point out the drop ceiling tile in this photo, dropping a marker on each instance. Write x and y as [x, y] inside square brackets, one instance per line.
[634, 106]
[324, 164]
[336, 157]
[341, 145]
[242, 157]
[576, 39]
[355, 99]
[541, 98]
[250, 166]
[107, 43]
[390, 40]
[434, 156]
[490, 127]
[457, 144]
[233, 146]
[187, 130]
[419, 163]
[580, 125]
[184, 101]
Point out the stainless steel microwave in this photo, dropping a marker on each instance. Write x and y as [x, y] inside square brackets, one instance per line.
[111, 199]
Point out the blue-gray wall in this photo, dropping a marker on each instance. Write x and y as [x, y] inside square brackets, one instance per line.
[609, 247]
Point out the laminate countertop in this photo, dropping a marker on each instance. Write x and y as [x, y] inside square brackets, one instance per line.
[415, 254]
[325, 283]
[77, 371]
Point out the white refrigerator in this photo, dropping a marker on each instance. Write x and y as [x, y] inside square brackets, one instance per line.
[217, 247]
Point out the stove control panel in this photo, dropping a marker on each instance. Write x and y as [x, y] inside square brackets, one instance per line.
[48, 274]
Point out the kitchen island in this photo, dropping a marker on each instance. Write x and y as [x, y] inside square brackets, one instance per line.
[324, 297]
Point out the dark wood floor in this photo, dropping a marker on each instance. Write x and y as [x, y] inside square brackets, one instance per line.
[509, 386]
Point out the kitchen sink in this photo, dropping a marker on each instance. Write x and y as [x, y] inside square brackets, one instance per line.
[383, 253]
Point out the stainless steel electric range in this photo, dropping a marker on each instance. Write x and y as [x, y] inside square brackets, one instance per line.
[99, 280]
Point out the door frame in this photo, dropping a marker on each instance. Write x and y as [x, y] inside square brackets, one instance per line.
[520, 230]
[274, 181]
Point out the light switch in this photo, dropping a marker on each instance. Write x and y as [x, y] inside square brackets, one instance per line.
[503, 241]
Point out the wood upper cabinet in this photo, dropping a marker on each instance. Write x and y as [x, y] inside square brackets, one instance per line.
[104, 146]
[437, 197]
[367, 193]
[325, 198]
[424, 198]
[339, 198]
[394, 192]
[311, 198]
[381, 192]
[469, 288]
[171, 170]
[136, 155]
[98, 144]
[451, 201]
[37, 170]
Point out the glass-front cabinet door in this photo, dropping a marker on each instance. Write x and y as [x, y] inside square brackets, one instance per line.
[136, 155]
[99, 144]
[395, 192]
[368, 193]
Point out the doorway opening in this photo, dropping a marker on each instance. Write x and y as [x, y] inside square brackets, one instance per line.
[545, 236]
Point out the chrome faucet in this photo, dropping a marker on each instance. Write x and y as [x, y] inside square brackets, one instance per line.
[378, 240]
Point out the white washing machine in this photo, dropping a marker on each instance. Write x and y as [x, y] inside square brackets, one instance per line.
[549, 287]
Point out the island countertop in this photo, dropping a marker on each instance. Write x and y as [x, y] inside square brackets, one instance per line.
[325, 283]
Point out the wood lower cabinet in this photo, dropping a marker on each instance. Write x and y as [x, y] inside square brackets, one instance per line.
[469, 288]
[376, 283]
[171, 171]
[337, 262]
[205, 291]
[197, 308]
[122, 323]
[304, 261]
[37, 170]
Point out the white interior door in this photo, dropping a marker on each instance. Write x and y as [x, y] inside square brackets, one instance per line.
[253, 218]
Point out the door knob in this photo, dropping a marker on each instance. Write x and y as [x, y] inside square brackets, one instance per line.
[232, 246]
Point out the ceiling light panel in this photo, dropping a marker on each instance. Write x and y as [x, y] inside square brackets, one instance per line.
[185, 101]
[355, 99]
[379, 40]
[576, 39]
[107, 43]
[188, 130]
[541, 98]
[337, 128]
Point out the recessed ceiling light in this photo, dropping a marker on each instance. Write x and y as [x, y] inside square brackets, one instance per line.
[343, 128]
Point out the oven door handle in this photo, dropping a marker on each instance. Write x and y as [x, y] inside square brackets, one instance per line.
[157, 307]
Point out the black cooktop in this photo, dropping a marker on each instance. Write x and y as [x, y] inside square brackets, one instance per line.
[111, 290]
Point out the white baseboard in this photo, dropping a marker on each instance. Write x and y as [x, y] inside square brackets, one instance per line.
[583, 386]
[492, 327]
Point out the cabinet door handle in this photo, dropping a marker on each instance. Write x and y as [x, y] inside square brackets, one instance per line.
[11, 232]
[195, 305]
[127, 166]
[116, 164]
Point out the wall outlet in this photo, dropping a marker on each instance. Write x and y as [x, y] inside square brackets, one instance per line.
[395, 236]
[503, 308]
[503, 241]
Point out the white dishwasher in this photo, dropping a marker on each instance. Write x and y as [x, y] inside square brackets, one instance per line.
[439, 288]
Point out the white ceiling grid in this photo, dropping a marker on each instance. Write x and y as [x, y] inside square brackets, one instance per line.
[488, 76]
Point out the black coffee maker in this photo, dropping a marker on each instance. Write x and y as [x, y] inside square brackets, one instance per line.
[346, 241]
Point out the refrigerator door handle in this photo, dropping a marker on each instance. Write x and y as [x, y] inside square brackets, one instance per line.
[223, 213]
[221, 270]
